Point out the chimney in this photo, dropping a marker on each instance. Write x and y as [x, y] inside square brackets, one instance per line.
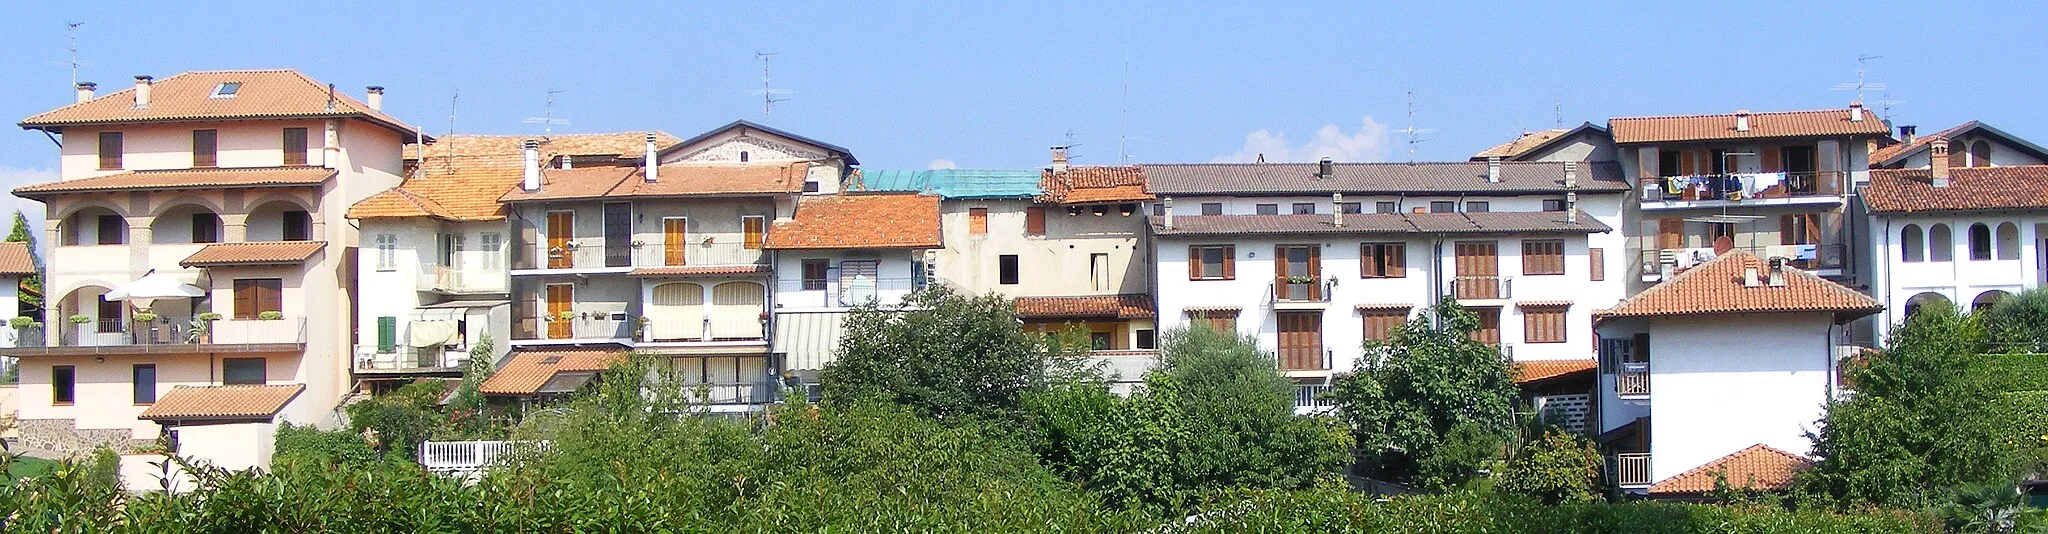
[85, 90]
[1906, 133]
[651, 161]
[1059, 159]
[1326, 169]
[375, 98]
[1742, 120]
[1750, 277]
[1856, 111]
[1493, 169]
[1168, 202]
[1337, 209]
[1571, 192]
[1777, 272]
[330, 98]
[532, 181]
[1937, 161]
[142, 91]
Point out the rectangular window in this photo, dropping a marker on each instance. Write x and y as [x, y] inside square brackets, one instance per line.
[298, 226]
[1298, 272]
[1006, 269]
[1489, 326]
[811, 186]
[1800, 229]
[1443, 206]
[243, 371]
[1158, 210]
[205, 227]
[1034, 220]
[1543, 325]
[295, 146]
[1266, 209]
[1098, 271]
[1477, 206]
[110, 151]
[1716, 231]
[205, 148]
[815, 272]
[253, 296]
[143, 376]
[387, 252]
[1383, 260]
[1212, 262]
[1386, 206]
[1212, 208]
[1553, 204]
[857, 281]
[387, 334]
[977, 221]
[756, 229]
[63, 385]
[494, 258]
[110, 316]
[1380, 323]
[444, 249]
[618, 234]
[1351, 208]
[1543, 257]
[1147, 339]
[1099, 341]
[1596, 260]
[112, 230]
[1304, 208]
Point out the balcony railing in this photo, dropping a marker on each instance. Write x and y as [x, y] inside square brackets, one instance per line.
[1633, 380]
[1314, 290]
[1482, 287]
[403, 358]
[27, 337]
[591, 253]
[446, 279]
[728, 393]
[1632, 469]
[1809, 257]
[1744, 187]
[837, 292]
[183, 331]
[466, 457]
[1311, 396]
[583, 326]
[1303, 359]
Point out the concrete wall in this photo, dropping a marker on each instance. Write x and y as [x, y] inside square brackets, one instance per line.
[104, 390]
[897, 276]
[1055, 264]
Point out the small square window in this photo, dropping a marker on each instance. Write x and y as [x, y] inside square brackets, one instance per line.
[1351, 208]
[1443, 206]
[1553, 204]
[227, 89]
[1007, 269]
[1386, 206]
[1148, 339]
[1477, 206]
[1268, 209]
[1212, 208]
[1304, 208]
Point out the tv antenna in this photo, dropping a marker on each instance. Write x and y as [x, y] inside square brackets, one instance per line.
[1885, 103]
[547, 119]
[769, 94]
[1862, 66]
[1414, 134]
[452, 102]
[1557, 110]
[71, 38]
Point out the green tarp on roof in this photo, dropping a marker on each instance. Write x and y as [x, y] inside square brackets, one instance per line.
[954, 183]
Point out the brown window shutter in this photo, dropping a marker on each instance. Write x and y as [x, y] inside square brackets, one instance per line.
[1670, 233]
[1229, 262]
[245, 299]
[756, 231]
[1686, 166]
[205, 148]
[1773, 161]
[272, 296]
[1315, 270]
[1813, 228]
[1787, 234]
[1397, 260]
[1034, 220]
[977, 221]
[1596, 259]
[110, 151]
[1194, 262]
[294, 146]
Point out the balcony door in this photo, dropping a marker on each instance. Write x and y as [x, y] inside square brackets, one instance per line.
[1301, 341]
[561, 229]
[736, 309]
[618, 234]
[1799, 169]
[561, 298]
[1478, 270]
[675, 237]
[1297, 272]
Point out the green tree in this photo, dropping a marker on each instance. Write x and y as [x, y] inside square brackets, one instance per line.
[944, 355]
[1430, 406]
[399, 420]
[2019, 323]
[1555, 468]
[31, 285]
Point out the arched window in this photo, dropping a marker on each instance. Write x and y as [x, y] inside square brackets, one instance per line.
[1912, 245]
[1941, 246]
[2008, 241]
[1958, 154]
[1985, 300]
[1980, 153]
[1923, 300]
[1980, 242]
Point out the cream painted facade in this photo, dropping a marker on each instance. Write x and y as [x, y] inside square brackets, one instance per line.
[420, 269]
[1086, 250]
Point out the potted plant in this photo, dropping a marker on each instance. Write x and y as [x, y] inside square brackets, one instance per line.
[270, 315]
[144, 317]
[568, 315]
[1301, 279]
[80, 318]
[640, 328]
[22, 322]
[209, 317]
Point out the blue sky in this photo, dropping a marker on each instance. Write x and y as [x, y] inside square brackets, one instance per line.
[991, 85]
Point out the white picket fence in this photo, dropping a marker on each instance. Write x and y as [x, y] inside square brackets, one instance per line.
[471, 457]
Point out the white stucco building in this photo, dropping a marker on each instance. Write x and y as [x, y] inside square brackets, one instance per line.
[1967, 236]
[836, 253]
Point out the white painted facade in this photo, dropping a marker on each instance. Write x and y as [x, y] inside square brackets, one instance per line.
[407, 265]
[1061, 263]
[1988, 254]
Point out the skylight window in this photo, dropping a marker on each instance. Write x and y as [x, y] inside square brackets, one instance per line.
[227, 89]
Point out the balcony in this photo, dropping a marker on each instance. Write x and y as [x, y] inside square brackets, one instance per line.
[458, 280]
[466, 458]
[586, 327]
[1750, 189]
[1633, 381]
[590, 255]
[1300, 293]
[716, 394]
[1632, 470]
[1310, 397]
[1482, 287]
[163, 335]
[409, 360]
[1822, 259]
[839, 292]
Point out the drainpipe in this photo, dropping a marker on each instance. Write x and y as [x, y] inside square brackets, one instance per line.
[1436, 277]
[1882, 327]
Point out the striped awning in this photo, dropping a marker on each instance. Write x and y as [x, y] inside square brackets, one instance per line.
[807, 339]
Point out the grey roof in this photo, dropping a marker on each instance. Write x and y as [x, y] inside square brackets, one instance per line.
[1380, 223]
[743, 123]
[1260, 179]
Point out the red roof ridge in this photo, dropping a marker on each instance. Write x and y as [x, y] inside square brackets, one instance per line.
[1699, 479]
[1734, 113]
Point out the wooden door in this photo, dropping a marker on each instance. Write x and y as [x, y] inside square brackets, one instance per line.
[560, 297]
[675, 235]
[1670, 233]
[561, 228]
[1301, 341]
[1478, 270]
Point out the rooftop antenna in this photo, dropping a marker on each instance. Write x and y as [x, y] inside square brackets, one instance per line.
[1557, 110]
[453, 101]
[547, 119]
[1862, 66]
[769, 94]
[1414, 134]
[71, 35]
[1123, 119]
[1885, 104]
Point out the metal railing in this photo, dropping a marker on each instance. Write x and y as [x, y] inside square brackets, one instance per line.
[1482, 287]
[465, 457]
[837, 292]
[403, 358]
[1806, 257]
[728, 393]
[184, 331]
[1311, 291]
[1632, 469]
[583, 326]
[443, 278]
[1312, 396]
[591, 253]
[1634, 379]
[28, 337]
[1743, 186]
[1319, 361]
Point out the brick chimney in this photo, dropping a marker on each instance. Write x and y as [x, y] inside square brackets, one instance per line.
[85, 90]
[531, 150]
[1937, 162]
[1906, 133]
[1326, 169]
[142, 91]
[375, 98]
[1059, 159]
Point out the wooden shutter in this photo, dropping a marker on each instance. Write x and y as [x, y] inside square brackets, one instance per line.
[1315, 270]
[110, 151]
[1542, 257]
[1543, 325]
[1230, 262]
[1194, 262]
[387, 334]
[1670, 233]
[1280, 269]
[1787, 229]
[1301, 341]
[1034, 220]
[1397, 259]
[561, 228]
[675, 233]
[294, 146]
[1774, 161]
[561, 298]
[1596, 263]
[205, 148]
[271, 296]
[977, 221]
[1686, 164]
[756, 229]
[1489, 326]
[245, 299]
[1380, 324]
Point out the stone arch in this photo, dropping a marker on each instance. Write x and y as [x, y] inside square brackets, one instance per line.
[1930, 298]
[180, 221]
[1986, 299]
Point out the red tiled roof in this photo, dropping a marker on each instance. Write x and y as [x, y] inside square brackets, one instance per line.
[1717, 287]
[255, 253]
[1820, 123]
[714, 270]
[1497, 222]
[527, 370]
[1535, 370]
[184, 179]
[672, 180]
[1969, 188]
[1521, 144]
[1081, 185]
[264, 94]
[1757, 467]
[1129, 306]
[188, 403]
[1387, 306]
[860, 221]
[460, 177]
[15, 258]
[1886, 154]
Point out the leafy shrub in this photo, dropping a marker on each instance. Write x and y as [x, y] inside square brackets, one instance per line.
[314, 446]
[1430, 406]
[1558, 467]
[944, 355]
[400, 420]
[1337, 510]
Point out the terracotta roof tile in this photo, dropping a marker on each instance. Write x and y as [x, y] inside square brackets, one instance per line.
[1522, 144]
[15, 258]
[527, 370]
[673, 180]
[1211, 309]
[1081, 185]
[253, 253]
[184, 179]
[461, 177]
[1883, 156]
[860, 221]
[1716, 287]
[1128, 306]
[188, 403]
[1380, 223]
[1386, 306]
[1757, 467]
[1296, 179]
[1535, 370]
[719, 270]
[1970, 188]
[1679, 128]
[264, 94]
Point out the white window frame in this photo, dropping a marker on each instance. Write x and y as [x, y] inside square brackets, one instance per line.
[387, 252]
[493, 243]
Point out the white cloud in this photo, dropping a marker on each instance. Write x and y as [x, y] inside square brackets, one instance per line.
[942, 164]
[10, 178]
[1367, 143]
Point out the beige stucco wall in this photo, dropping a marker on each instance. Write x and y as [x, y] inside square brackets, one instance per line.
[1056, 264]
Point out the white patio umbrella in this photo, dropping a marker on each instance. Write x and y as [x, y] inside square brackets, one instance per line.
[154, 285]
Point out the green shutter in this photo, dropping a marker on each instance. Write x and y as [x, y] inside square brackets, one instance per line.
[387, 334]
